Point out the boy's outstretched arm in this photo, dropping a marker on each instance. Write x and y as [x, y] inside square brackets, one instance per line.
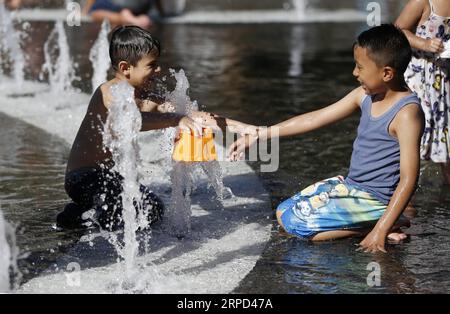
[303, 123]
[157, 120]
[408, 127]
[409, 19]
[215, 121]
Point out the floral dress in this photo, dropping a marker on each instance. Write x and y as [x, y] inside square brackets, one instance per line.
[428, 75]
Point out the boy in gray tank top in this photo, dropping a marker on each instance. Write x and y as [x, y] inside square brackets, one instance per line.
[384, 167]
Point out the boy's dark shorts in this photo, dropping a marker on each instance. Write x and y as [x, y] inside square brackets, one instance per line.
[100, 189]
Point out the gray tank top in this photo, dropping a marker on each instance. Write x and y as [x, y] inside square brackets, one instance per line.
[136, 6]
[375, 163]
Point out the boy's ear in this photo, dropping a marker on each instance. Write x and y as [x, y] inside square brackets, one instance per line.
[124, 68]
[388, 74]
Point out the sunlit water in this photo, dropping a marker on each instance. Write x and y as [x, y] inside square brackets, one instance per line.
[264, 75]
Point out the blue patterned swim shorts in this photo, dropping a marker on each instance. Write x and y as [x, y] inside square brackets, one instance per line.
[327, 205]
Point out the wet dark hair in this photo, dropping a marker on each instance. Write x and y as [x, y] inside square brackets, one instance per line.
[386, 45]
[130, 44]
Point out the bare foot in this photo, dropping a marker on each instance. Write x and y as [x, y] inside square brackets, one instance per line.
[144, 21]
[127, 16]
[397, 235]
[410, 211]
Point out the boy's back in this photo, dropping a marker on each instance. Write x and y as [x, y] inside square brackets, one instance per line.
[87, 149]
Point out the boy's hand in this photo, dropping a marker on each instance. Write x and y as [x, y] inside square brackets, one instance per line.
[237, 149]
[187, 123]
[434, 45]
[373, 242]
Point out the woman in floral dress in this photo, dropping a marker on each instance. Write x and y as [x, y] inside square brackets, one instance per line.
[426, 23]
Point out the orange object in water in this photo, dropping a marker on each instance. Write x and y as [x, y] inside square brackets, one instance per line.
[194, 149]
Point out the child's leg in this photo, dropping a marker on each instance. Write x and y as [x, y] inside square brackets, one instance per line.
[117, 15]
[327, 235]
[140, 20]
[338, 234]
[81, 186]
[331, 209]
[115, 18]
[70, 217]
[396, 235]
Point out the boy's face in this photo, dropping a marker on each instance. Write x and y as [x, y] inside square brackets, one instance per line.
[371, 77]
[142, 75]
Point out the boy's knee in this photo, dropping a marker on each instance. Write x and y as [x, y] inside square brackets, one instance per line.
[278, 214]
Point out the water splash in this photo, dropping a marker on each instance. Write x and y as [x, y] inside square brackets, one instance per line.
[99, 56]
[60, 72]
[178, 214]
[179, 96]
[121, 139]
[10, 40]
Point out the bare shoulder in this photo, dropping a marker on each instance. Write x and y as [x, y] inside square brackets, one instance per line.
[418, 5]
[414, 12]
[410, 112]
[408, 119]
[421, 7]
[358, 95]
[104, 94]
